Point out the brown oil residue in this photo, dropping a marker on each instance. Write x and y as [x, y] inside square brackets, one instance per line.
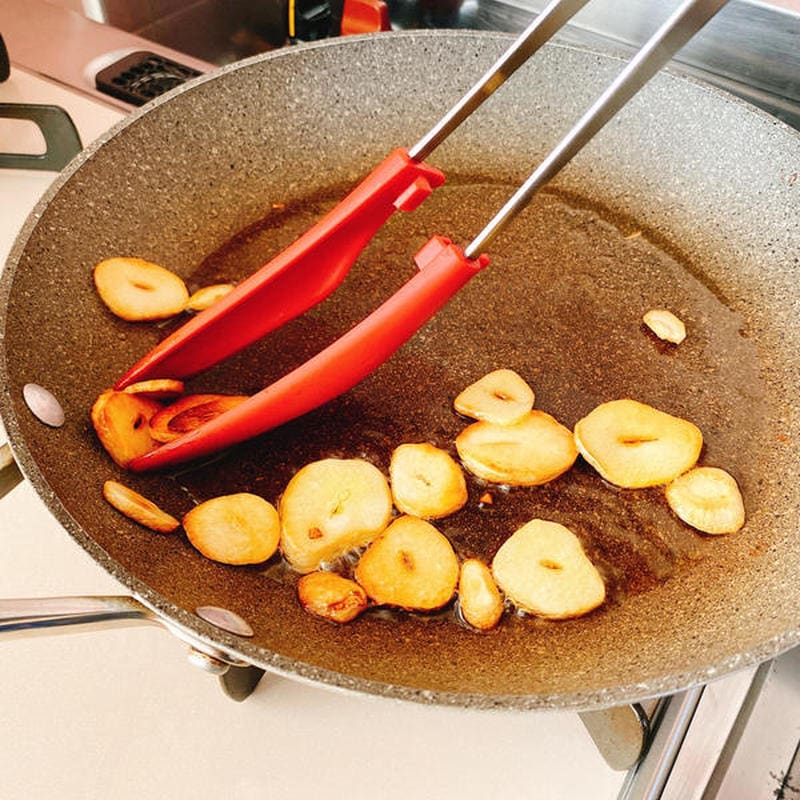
[561, 304]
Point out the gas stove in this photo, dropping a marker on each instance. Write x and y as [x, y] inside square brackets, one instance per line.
[120, 714]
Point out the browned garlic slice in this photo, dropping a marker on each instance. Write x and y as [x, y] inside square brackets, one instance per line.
[426, 481]
[708, 499]
[543, 569]
[138, 508]
[479, 599]
[122, 423]
[189, 413]
[410, 565]
[331, 596]
[156, 388]
[634, 445]
[138, 290]
[206, 297]
[234, 529]
[501, 397]
[535, 450]
[331, 507]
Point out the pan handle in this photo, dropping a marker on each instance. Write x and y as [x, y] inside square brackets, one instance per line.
[47, 615]
[10, 474]
[61, 137]
[24, 617]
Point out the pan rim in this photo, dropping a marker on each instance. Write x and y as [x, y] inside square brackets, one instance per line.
[277, 663]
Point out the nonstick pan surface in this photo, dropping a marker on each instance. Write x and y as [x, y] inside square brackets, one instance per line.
[688, 200]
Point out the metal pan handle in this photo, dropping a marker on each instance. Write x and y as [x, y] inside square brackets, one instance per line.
[48, 615]
[10, 474]
[52, 614]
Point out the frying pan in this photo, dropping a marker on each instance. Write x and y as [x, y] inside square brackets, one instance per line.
[689, 200]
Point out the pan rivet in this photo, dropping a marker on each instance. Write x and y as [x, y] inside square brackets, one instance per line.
[224, 619]
[43, 405]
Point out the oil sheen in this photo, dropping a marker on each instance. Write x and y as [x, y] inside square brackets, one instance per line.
[561, 304]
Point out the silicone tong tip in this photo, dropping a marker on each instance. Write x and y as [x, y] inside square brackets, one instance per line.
[299, 277]
[443, 270]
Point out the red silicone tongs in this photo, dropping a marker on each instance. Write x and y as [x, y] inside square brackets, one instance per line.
[315, 264]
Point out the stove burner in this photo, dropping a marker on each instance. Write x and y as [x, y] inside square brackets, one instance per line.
[141, 76]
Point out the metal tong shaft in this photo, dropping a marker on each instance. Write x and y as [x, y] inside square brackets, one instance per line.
[552, 18]
[443, 267]
[656, 52]
[313, 266]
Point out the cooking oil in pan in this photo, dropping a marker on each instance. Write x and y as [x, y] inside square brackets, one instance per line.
[561, 304]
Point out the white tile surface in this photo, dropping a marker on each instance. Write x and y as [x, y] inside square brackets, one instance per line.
[120, 714]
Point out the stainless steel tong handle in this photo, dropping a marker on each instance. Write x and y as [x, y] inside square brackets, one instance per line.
[552, 18]
[654, 54]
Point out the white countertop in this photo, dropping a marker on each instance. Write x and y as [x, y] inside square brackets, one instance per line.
[121, 714]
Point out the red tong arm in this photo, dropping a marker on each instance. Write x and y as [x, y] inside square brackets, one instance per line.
[443, 270]
[296, 279]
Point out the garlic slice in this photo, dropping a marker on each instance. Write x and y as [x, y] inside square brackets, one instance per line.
[665, 325]
[708, 499]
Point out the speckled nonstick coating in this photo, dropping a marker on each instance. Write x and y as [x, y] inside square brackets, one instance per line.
[711, 184]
